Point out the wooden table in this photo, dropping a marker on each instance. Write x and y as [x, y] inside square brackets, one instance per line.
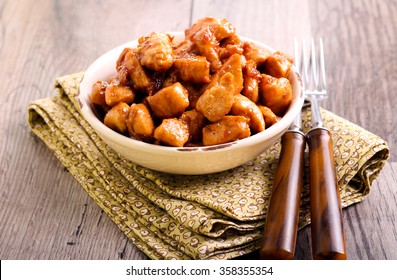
[46, 214]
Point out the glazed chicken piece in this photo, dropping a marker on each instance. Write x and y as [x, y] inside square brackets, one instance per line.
[275, 93]
[251, 81]
[185, 47]
[116, 117]
[270, 117]
[219, 28]
[173, 132]
[259, 56]
[194, 90]
[169, 102]
[195, 122]
[206, 34]
[234, 66]
[230, 46]
[120, 78]
[128, 63]
[217, 101]
[242, 106]
[227, 129]
[156, 52]
[233, 39]
[140, 124]
[193, 69]
[117, 93]
[97, 95]
[228, 51]
[278, 65]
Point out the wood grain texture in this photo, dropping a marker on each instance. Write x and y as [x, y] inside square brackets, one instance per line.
[361, 62]
[45, 213]
[279, 235]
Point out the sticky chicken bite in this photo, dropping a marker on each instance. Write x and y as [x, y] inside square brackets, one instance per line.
[206, 34]
[275, 93]
[173, 132]
[98, 93]
[116, 117]
[195, 122]
[140, 124]
[156, 52]
[229, 46]
[130, 64]
[227, 129]
[259, 56]
[251, 81]
[234, 66]
[117, 93]
[193, 68]
[169, 102]
[186, 47]
[217, 101]
[278, 65]
[242, 106]
[269, 116]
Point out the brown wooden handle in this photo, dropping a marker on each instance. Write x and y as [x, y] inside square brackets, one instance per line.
[279, 236]
[328, 239]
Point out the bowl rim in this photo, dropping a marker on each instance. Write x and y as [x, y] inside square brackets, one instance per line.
[87, 111]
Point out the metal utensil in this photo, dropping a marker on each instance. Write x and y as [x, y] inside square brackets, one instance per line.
[328, 240]
[279, 235]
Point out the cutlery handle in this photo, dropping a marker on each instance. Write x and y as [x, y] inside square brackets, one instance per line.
[328, 238]
[279, 236]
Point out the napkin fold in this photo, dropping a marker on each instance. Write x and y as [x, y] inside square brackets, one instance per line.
[215, 216]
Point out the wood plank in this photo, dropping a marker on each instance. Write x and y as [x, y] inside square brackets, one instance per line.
[360, 47]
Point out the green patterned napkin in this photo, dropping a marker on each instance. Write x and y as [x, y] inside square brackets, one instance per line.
[216, 216]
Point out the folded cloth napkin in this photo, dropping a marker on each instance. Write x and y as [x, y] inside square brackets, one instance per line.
[215, 216]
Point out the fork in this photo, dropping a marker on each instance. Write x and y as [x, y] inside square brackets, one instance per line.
[281, 225]
[328, 241]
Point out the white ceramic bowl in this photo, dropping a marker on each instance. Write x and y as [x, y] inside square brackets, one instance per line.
[185, 160]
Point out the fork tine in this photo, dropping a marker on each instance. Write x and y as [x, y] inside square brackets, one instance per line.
[322, 66]
[313, 65]
[304, 66]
